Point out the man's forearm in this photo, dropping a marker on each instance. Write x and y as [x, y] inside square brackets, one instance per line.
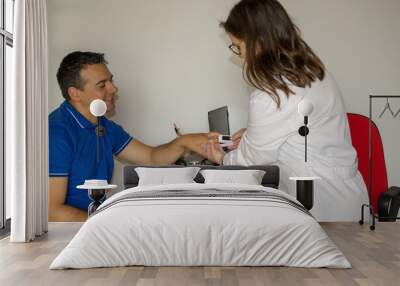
[167, 153]
[66, 213]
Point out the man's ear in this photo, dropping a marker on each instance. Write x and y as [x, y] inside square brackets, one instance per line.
[74, 93]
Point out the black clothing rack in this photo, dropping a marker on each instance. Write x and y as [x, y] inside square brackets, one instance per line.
[369, 206]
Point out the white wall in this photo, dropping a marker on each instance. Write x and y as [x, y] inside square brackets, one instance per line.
[171, 62]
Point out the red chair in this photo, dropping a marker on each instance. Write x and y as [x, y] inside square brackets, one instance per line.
[378, 183]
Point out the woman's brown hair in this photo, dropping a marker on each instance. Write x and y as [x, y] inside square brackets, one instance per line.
[275, 51]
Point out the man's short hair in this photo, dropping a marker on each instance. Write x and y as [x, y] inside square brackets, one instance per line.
[69, 72]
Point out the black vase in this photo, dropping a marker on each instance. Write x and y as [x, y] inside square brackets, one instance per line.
[305, 193]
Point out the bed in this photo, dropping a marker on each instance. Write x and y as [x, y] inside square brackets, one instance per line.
[198, 224]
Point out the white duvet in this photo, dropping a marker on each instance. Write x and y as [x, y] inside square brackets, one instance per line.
[204, 231]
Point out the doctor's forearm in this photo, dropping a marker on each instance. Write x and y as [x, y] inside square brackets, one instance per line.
[243, 156]
[167, 153]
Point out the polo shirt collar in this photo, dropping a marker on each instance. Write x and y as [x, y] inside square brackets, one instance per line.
[78, 117]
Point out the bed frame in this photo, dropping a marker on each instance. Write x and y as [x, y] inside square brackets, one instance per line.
[270, 179]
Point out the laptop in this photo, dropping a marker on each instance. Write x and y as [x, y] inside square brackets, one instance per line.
[218, 120]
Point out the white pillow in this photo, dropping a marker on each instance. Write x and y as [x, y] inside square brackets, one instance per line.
[247, 177]
[163, 176]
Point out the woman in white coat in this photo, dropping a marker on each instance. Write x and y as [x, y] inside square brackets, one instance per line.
[284, 70]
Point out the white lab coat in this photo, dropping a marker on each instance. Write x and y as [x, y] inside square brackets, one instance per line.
[272, 138]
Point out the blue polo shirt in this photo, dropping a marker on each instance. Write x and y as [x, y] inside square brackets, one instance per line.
[72, 150]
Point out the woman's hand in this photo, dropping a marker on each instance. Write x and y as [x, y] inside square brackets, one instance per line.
[236, 137]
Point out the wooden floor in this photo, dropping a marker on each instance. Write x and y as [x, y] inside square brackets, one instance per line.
[375, 257]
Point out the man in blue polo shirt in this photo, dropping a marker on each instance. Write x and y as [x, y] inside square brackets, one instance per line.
[83, 77]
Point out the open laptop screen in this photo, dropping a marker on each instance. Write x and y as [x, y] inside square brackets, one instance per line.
[218, 120]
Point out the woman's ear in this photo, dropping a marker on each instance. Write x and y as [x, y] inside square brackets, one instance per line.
[74, 94]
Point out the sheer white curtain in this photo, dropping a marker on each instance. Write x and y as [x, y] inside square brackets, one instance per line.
[26, 123]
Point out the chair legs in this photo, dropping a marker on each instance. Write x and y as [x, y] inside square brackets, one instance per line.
[372, 226]
[361, 221]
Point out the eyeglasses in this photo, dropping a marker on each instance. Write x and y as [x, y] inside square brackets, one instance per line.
[235, 49]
